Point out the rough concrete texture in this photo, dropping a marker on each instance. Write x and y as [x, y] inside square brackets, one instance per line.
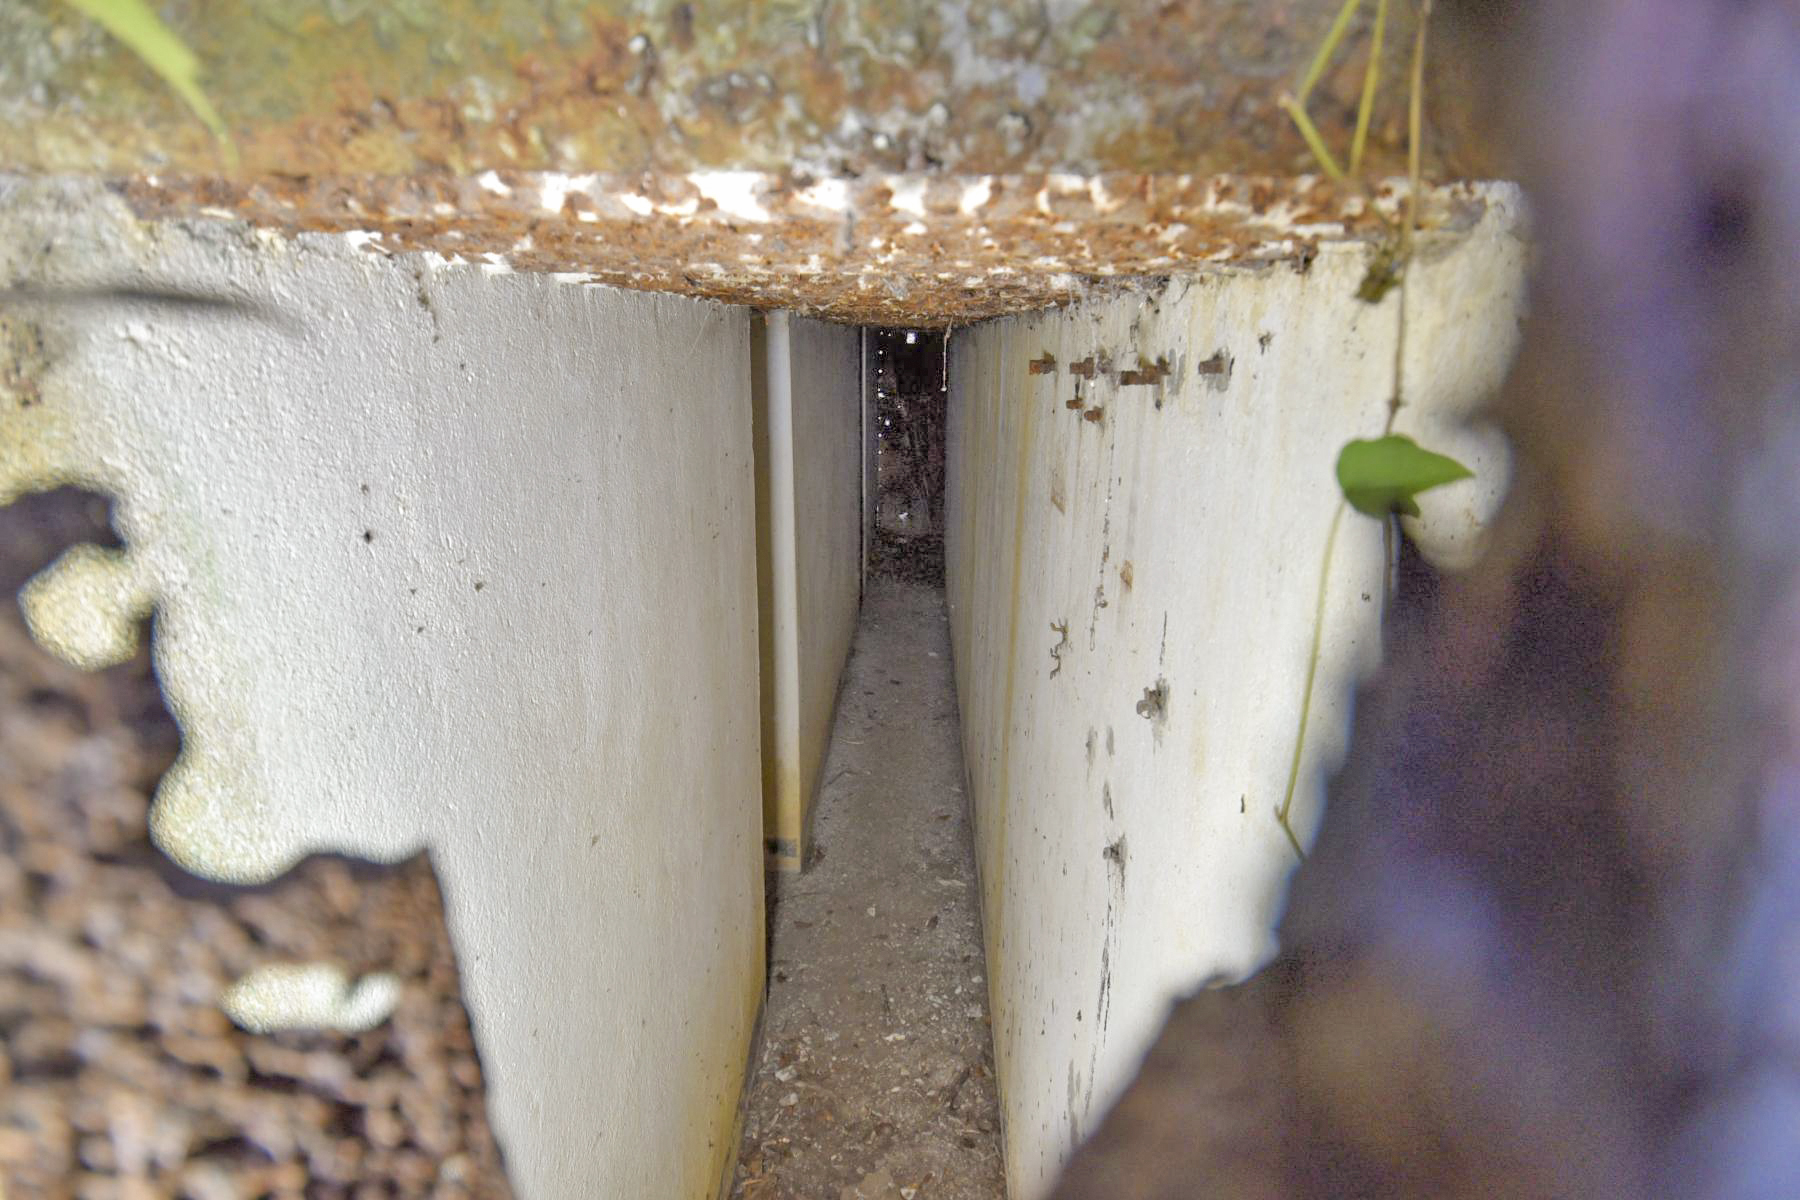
[1140, 493]
[902, 250]
[119, 1074]
[441, 560]
[874, 1081]
[829, 87]
[926, 162]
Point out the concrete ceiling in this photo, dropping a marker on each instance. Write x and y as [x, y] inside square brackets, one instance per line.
[880, 161]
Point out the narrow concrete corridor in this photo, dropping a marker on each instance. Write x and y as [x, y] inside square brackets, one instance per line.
[874, 1079]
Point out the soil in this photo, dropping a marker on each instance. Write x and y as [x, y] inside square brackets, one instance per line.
[875, 1079]
[914, 558]
[119, 1075]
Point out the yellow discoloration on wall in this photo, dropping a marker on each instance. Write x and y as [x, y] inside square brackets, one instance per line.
[86, 607]
[1025, 443]
[210, 812]
[38, 447]
[729, 1113]
[783, 817]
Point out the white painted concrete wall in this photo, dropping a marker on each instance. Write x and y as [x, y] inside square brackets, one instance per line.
[813, 528]
[1177, 539]
[440, 559]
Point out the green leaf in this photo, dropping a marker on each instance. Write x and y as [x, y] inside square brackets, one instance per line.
[136, 24]
[1384, 475]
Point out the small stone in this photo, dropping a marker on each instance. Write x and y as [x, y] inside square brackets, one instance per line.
[791, 1099]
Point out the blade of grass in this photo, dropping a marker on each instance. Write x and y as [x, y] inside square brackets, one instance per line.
[1310, 132]
[136, 24]
[1366, 109]
[1328, 47]
[1415, 117]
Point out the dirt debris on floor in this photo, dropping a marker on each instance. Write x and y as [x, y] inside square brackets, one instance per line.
[119, 1074]
[875, 1077]
[915, 558]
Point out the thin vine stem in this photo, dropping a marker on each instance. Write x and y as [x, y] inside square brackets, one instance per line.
[1415, 123]
[1312, 671]
[1409, 222]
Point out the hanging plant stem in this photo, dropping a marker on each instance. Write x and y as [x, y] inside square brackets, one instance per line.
[1312, 671]
[1415, 123]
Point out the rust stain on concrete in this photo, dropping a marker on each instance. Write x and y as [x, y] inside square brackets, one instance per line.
[896, 250]
[850, 87]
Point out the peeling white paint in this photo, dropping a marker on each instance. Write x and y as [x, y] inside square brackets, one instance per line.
[685, 207]
[831, 195]
[640, 205]
[735, 192]
[1103, 200]
[975, 195]
[908, 194]
[554, 189]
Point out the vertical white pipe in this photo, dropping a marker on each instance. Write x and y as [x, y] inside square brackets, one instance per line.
[784, 582]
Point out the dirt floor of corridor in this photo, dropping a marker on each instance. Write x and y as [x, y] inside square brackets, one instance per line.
[874, 1080]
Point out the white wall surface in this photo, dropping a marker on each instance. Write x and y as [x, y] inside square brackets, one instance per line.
[813, 402]
[1176, 541]
[442, 559]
